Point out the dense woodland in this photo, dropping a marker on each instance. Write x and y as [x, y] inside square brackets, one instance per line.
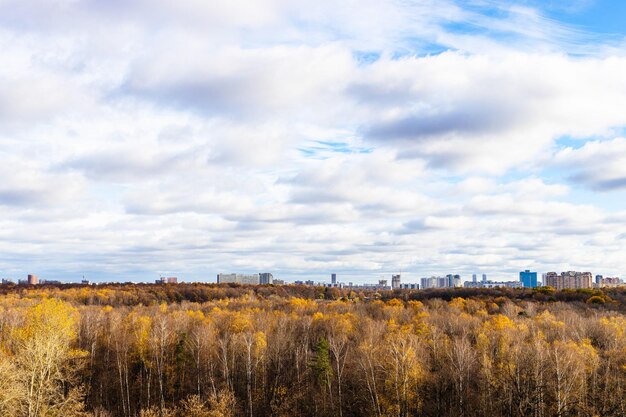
[197, 350]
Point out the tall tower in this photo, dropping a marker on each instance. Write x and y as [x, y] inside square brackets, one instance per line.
[266, 278]
[333, 279]
[484, 277]
[395, 281]
[528, 278]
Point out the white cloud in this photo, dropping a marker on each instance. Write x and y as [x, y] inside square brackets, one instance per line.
[599, 165]
[196, 137]
[497, 113]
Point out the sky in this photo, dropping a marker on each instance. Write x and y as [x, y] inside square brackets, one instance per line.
[186, 138]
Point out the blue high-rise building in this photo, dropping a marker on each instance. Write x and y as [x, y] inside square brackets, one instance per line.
[529, 279]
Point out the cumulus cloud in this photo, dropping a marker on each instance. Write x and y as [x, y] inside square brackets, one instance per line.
[498, 112]
[361, 137]
[25, 185]
[597, 164]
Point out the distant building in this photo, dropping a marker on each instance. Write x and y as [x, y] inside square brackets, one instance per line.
[32, 279]
[569, 280]
[484, 277]
[550, 279]
[528, 279]
[251, 279]
[409, 286]
[266, 278]
[454, 280]
[599, 279]
[309, 282]
[333, 278]
[7, 281]
[49, 282]
[382, 284]
[493, 284]
[448, 281]
[474, 279]
[610, 282]
[279, 282]
[395, 281]
[85, 282]
[167, 280]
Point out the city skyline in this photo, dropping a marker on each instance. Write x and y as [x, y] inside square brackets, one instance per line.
[527, 279]
[363, 138]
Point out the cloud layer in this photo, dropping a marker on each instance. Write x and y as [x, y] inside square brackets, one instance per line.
[189, 138]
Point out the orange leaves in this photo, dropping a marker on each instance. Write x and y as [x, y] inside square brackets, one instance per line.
[318, 316]
[46, 356]
[301, 304]
[499, 323]
[49, 318]
[616, 325]
[260, 343]
[339, 324]
[240, 323]
[458, 303]
[394, 302]
[549, 324]
[140, 327]
[196, 315]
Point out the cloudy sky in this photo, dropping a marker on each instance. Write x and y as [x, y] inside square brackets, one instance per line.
[363, 137]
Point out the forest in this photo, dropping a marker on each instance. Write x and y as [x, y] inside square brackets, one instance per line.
[202, 350]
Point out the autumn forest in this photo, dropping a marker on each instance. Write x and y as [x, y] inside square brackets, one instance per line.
[197, 350]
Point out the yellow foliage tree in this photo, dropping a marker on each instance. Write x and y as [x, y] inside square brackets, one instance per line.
[46, 362]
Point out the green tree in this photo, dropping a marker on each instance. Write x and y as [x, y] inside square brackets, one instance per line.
[321, 366]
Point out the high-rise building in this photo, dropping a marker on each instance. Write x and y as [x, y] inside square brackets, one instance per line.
[599, 279]
[167, 280]
[529, 279]
[484, 277]
[493, 284]
[448, 281]
[610, 282]
[550, 279]
[33, 280]
[474, 278]
[395, 281]
[453, 280]
[266, 278]
[569, 279]
[333, 278]
[252, 279]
